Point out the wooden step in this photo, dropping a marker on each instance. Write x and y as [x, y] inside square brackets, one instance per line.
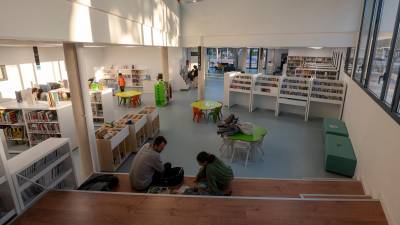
[273, 187]
[327, 196]
[89, 208]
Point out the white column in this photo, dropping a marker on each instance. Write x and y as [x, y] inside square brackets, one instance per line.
[202, 75]
[164, 63]
[243, 58]
[78, 91]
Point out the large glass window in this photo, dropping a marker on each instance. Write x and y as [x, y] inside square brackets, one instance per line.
[349, 60]
[393, 73]
[28, 75]
[45, 74]
[63, 70]
[380, 54]
[12, 84]
[364, 38]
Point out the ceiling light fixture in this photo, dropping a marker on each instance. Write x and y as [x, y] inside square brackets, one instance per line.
[317, 48]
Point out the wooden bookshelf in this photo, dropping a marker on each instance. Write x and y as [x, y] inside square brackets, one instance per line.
[153, 120]
[46, 166]
[294, 91]
[112, 146]
[8, 200]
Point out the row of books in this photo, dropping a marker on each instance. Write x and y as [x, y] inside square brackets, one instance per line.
[240, 87]
[35, 139]
[47, 179]
[241, 82]
[266, 84]
[335, 98]
[288, 86]
[331, 84]
[95, 97]
[294, 93]
[41, 116]
[10, 116]
[30, 193]
[327, 90]
[46, 128]
[40, 165]
[15, 133]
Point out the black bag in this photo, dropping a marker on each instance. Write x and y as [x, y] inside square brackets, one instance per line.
[172, 177]
[102, 182]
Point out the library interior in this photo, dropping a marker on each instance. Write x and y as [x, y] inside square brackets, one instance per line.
[198, 112]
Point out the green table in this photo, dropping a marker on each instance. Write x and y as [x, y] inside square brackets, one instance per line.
[254, 140]
[206, 104]
[258, 134]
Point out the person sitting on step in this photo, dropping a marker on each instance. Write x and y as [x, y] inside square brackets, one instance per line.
[216, 176]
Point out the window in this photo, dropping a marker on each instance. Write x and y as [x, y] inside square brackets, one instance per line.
[12, 84]
[63, 70]
[28, 75]
[377, 74]
[364, 38]
[45, 74]
[252, 58]
[349, 60]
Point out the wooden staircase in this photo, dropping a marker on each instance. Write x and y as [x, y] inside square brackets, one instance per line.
[254, 201]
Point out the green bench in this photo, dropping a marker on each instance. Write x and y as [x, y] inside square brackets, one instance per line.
[339, 155]
[335, 126]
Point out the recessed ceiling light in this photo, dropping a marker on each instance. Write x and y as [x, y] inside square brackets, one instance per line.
[192, 1]
[316, 48]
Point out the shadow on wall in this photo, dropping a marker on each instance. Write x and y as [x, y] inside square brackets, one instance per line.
[154, 24]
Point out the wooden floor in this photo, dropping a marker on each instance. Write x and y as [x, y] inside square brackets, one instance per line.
[82, 208]
[273, 188]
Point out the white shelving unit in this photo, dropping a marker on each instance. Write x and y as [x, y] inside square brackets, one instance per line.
[329, 92]
[265, 91]
[240, 88]
[8, 200]
[153, 120]
[133, 76]
[13, 124]
[294, 91]
[42, 122]
[102, 104]
[46, 166]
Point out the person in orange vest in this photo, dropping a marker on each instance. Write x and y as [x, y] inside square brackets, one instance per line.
[121, 84]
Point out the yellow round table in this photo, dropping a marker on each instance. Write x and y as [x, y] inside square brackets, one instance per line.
[206, 104]
[128, 95]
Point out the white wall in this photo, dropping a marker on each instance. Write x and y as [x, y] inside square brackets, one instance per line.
[271, 23]
[375, 138]
[139, 22]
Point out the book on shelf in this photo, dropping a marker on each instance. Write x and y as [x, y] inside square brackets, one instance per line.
[41, 116]
[15, 133]
[10, 116]
[36, 138]
[47, 128]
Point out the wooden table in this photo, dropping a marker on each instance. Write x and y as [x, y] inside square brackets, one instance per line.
[128, 95]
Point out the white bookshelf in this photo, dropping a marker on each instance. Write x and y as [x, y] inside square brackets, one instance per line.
[265, 91]
[41, 122]
[13, 125]
[294, 91]
[133, 76]
[329, 92]
[46, 166]
[238, 89]
[102, 104]
[9, 207]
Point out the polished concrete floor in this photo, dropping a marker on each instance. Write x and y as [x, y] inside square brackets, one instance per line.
[294, 148]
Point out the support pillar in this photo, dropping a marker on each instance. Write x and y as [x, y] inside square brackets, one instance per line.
[202, 75]
[164, 62]
[243, 58]
[72, 66]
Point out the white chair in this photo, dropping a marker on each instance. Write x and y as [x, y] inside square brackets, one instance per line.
[241, 147]
[226, 147]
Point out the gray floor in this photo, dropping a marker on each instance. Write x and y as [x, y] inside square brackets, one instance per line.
[294, 148]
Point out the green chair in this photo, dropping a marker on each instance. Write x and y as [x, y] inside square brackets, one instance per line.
[339, 155]
[216, 114]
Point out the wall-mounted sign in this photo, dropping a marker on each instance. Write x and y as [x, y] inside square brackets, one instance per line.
[3, 72]
[36, 55]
